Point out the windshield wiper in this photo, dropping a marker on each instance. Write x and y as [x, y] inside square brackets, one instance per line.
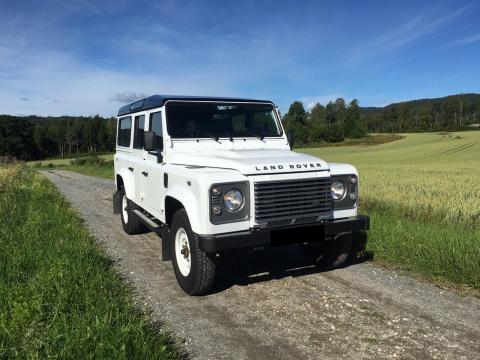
[258, 136]
[210, 135]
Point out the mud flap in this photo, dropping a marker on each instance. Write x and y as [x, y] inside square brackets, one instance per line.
[117, 202]
[166, 243]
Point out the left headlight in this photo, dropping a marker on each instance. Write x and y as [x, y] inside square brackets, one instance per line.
[338, 190]
[233, 200]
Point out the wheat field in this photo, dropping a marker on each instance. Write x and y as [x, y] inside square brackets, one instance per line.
[428, 176]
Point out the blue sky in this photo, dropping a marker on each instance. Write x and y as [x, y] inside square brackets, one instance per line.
[89, 57]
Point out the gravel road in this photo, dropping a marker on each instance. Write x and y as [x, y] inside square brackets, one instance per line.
[272, 304]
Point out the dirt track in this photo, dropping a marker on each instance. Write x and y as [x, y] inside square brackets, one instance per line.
[273, 304]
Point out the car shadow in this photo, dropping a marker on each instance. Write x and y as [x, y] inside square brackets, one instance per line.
[249, 266]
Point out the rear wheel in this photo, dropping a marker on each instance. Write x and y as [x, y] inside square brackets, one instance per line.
[194, 269]
[331, 253]
[130, 223]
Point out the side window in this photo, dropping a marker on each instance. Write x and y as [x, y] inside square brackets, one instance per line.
[124, 131]
[139, 129]
[156, 126]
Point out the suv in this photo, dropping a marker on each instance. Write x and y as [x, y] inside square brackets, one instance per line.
[212, 174]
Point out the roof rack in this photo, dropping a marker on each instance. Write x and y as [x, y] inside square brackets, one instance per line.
[156, 101]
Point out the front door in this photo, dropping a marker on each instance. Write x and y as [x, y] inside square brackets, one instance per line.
[154, 171]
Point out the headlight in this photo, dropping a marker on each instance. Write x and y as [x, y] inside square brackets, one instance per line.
[233, 200]
[338, 190]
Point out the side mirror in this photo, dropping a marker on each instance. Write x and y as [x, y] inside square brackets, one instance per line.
[149, 141]
[291, 138]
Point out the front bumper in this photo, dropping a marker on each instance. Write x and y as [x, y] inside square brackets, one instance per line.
[301, 233]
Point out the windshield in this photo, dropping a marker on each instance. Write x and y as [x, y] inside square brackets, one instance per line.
[216, 120]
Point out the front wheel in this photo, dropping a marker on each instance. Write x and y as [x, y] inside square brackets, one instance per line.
[194, 269]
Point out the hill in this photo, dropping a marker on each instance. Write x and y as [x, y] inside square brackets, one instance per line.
[454, 112]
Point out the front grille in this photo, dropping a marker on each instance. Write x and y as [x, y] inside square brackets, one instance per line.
[292, 200]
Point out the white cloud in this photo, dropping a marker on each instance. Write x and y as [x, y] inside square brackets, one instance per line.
[467, 40]
[311, 101]
[128, 96]
[415, 29]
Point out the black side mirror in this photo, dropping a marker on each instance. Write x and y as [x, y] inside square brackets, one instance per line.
[149, 141]
[291, 138]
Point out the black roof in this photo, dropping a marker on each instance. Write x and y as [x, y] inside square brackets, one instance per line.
[155, 101]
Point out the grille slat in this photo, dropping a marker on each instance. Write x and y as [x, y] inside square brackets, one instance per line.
[290, 195]
[292, 199]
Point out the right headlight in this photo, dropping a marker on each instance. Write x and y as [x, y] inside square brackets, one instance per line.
[233, 200]
[229, 202]
[338, 190]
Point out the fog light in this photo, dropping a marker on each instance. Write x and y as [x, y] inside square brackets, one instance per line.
[353, 180]
[216, 191]
[353, 196]
[216, 210]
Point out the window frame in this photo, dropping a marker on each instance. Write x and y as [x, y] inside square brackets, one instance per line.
[120, 119]
[135, 129]
[150, 119]
[274, 110]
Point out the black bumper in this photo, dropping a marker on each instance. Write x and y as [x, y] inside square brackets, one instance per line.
[281, 236]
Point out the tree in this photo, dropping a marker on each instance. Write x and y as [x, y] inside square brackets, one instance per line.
[296, 113]
[352, 126]
[317, 114]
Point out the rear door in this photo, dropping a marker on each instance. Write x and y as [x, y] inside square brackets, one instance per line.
[123, 154]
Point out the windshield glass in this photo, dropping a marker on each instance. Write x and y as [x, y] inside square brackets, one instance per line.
[216, 120]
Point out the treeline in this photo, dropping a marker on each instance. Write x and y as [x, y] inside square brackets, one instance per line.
[34, 137]
[339, 120]
[331, 123]
[455, 112]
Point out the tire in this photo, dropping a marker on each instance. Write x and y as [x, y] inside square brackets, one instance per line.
[332, 253]
[194, 269]
[130, 223]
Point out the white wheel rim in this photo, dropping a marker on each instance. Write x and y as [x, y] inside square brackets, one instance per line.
[124, 209]
[182, 252]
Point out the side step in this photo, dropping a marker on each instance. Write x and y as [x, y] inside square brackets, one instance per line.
[152, 225]
[161, 230]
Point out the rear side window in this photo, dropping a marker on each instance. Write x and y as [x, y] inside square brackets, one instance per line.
[156, 126]
[139, 129]
[124, 131]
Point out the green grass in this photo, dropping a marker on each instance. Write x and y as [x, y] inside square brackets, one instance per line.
[373, 139]
[100, 166]
[105, 171]
[59, 296]
[422, 193]
[66, 160]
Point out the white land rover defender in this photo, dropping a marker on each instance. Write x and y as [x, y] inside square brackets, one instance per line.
[214, 174]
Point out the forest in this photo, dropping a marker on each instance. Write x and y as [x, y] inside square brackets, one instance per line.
[339, 120]
[35, 137]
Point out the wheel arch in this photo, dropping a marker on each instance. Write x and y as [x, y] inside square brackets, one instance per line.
[124, 180]
[177, 198]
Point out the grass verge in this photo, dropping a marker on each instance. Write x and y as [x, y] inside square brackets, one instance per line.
[93, 165]
[438, 252]
[105, 171]
[59, 296]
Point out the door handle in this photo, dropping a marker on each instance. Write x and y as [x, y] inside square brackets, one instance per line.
[130, 168]
[144, 173]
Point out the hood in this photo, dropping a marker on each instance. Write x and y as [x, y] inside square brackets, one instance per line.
[251, 162]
